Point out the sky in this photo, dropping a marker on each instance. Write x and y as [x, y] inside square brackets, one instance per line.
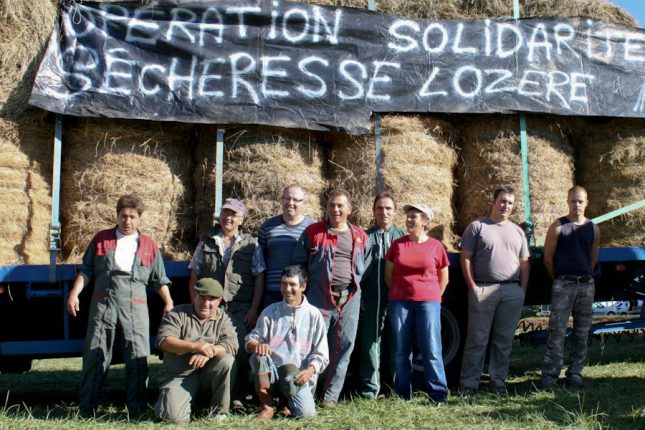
[636, 8]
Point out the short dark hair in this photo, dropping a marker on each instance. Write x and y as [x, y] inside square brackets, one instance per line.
[503, 189]
[576, 188]
[129, 201]
[384, 195]
[340, 192]
[295, 270]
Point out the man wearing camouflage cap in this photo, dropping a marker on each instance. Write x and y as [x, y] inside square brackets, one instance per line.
[199, 342]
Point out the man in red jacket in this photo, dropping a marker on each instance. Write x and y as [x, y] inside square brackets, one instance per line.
[333, 252]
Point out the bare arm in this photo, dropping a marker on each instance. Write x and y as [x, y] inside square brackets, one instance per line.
[73, 305]
[164, 293]
[177, 346]
[550, 244]
[389, 270]
[255, 347]
[305, 375]
[595, 246]
[524, 273]
[443, 278]
[258, 292]
[465, 258]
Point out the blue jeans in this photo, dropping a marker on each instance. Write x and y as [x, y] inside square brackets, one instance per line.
[302, 404]
[425, 318]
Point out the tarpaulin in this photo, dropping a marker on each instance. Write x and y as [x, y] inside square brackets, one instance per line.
[319, 67]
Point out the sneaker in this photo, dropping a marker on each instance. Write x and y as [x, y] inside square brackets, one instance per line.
[328, 404]
[440, 402]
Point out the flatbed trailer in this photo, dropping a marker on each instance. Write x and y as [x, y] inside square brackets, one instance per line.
[34, 323]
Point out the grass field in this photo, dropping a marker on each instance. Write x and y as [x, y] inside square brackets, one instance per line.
[614, 398]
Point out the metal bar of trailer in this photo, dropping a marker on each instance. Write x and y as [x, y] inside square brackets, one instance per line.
[379, 153]
[179, 269]
[618, 212]
[219, 171]
[377, 134]
[618, 326]
[55, 227]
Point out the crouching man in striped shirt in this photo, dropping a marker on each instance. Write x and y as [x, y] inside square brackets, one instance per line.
[289, 347]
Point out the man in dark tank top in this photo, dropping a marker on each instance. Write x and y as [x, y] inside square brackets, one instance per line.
[570, 254]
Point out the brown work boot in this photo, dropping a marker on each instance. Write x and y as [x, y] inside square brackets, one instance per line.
[265, 398]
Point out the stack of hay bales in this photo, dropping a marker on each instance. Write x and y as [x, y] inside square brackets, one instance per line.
[418, 162]
[25, 189]
[258, 163]
[460, 9]
[611, 165]
[597, 9]
[491, 154]
[25, 27]
[25, 141]
[430, 9]
[104, 159]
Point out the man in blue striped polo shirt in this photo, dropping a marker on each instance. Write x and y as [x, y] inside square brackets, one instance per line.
[278, 237]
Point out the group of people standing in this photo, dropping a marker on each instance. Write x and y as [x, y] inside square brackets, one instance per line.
[286, 305]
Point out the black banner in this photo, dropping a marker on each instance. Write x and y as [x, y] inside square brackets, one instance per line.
[317, 67]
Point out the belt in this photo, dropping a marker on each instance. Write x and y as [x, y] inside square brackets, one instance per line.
[120, 273]
[509, 281]
[337, 290]
[579, 279]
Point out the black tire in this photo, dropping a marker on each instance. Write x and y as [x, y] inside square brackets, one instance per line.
[453, 337]
[611, 313]
[15, 364]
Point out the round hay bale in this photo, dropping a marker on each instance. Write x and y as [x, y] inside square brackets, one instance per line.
[491, 156]
[611, 166]
[25, 189]
[418, 162]
[104, 159]
[25, 27]
[258, 163]
[597, 9]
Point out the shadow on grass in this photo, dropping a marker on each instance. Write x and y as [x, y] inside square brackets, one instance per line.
[605, 402]
[54, 394]
[611, 349]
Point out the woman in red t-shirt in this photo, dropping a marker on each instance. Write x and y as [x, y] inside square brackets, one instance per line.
[416, 271]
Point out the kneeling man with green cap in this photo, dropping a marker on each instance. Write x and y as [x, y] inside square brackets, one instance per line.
[199, 342]
[289, 347]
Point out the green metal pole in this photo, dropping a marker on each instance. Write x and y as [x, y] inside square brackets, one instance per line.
[55, 227]
[525, 158]
[219, 171]
[618, 212]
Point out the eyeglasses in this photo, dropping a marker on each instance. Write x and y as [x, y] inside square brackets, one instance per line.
[291, 199]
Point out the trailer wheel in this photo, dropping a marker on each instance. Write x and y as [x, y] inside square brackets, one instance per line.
[453, 337]
[15, 364]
